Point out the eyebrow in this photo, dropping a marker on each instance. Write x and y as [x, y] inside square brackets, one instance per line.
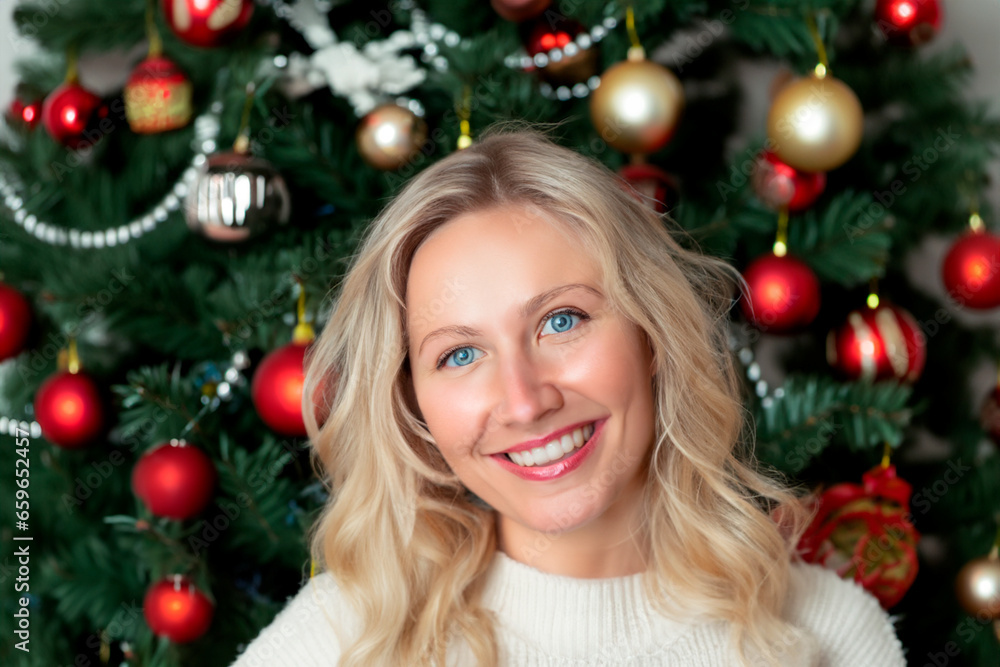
[527, 308]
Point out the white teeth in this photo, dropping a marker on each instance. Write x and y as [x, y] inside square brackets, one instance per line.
[555, 449]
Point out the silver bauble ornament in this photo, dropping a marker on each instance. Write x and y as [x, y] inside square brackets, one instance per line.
[236, 196]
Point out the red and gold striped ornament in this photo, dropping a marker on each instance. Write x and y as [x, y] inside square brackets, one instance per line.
[878, 343]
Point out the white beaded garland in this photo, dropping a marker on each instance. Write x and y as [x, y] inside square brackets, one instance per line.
[206, 130]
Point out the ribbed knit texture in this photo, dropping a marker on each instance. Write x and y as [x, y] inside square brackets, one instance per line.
[551, 620]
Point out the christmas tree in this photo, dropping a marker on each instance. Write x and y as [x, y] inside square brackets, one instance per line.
[166, 250]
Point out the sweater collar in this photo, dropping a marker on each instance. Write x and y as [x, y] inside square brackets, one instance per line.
[573, 617]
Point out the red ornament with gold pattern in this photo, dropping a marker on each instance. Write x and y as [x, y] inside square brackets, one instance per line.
[176, 609]
[863, 532]
[174, 479]
[780, 185]
[908, 22]
[276, 387]
[207, 23]
[157, 97]
[69, 407]
[15, 321]
[878, 343]
[971, 269]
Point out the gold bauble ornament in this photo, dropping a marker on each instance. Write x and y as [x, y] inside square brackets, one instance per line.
[978, 588]
[815, 123]
[637, 106]
[389, 136]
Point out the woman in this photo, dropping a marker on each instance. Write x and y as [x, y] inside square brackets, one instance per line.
[534, 437]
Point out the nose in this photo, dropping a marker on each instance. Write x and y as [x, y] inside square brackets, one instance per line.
[526, 389]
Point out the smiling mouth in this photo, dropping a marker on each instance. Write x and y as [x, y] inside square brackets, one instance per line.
[555, 451]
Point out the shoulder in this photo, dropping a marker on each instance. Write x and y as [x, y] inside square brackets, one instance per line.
[309, 631]
[848, 622]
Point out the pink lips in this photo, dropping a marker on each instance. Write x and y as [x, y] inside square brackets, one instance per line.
[553, 470]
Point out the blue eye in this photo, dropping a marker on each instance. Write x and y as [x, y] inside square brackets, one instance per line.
[463, 355]
[562, 321]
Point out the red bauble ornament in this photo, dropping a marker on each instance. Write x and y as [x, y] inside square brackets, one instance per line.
[875, 344]
[780, 185]
[652, 186]
[69, 409]
[783, 293]
[863, 533]
[207, 23]
[908, 22]
[24, 114]
[157, 97]
[69, 113]
[971, 270]
[15, 321]
[174, 608]
[520, 10]
[572, 64]
[174, 480]
[276, 389]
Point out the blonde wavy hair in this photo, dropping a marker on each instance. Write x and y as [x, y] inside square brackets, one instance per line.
[407, 544]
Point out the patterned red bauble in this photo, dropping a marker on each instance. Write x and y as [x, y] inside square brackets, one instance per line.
[780, 185]
[207, 23]
[971, 270]
[863, 532]
[783, 293]
[174, 608]
[875, 344]
[519, 10]
[908, 22]
[15, 321]
[276, 389]
[69, 114]
[157, 97]
[652, 186]
[174, 480]
[69, 409]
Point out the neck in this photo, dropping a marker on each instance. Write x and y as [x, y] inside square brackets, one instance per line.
[611, 545]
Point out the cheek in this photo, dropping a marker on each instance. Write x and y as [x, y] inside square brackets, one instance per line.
[451, 417]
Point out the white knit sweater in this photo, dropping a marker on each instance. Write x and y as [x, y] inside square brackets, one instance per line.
[552, 620]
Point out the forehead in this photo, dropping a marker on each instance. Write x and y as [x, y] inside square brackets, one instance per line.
[499, 254]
